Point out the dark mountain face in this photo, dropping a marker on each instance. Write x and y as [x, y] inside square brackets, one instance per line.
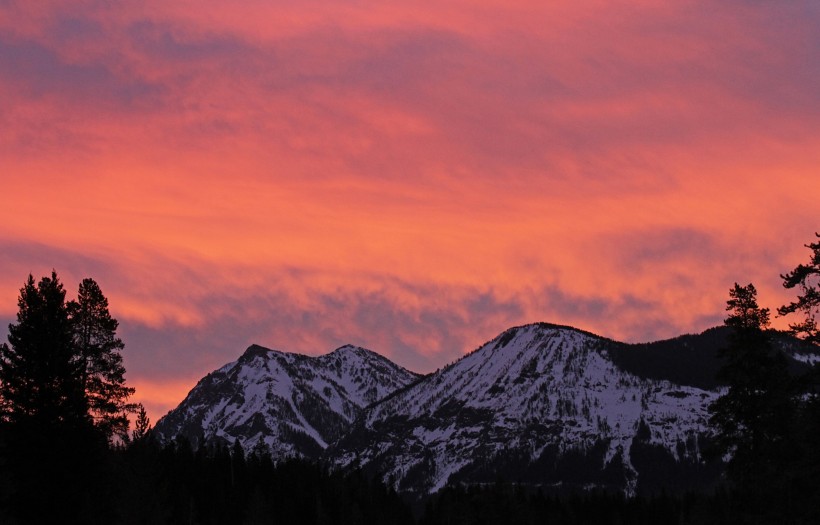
[539, 404]
[691, 360]
[694, 359]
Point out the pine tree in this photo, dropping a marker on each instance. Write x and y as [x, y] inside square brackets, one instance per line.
[142, 425]
[51, 448]
[754, 418]
[97, 349]
[806, 277]
[40, 381]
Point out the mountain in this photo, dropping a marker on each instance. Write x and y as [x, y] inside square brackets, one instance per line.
[540, 404]
[294, 404]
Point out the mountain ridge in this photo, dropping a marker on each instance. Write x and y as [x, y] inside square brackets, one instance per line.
[550, 404]
[531, 396]
[279, 398]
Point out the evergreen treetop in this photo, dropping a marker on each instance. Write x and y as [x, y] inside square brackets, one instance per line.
[806, 278]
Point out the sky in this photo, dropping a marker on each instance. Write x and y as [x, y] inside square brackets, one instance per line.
[410, 177]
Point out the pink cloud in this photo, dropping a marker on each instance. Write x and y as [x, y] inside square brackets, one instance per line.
[410, 179]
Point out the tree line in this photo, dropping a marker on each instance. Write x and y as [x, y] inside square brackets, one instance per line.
[68, 454]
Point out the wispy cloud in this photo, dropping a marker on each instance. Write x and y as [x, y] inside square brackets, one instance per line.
[415, 180]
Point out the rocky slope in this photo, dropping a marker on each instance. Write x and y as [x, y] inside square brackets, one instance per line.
[294, 404]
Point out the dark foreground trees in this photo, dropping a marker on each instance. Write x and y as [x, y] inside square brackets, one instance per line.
[62, 397]
[217, 484]
[220, 484]
[805, 278]
[754, 419]
[40, 377]
[768, 421]
[515, 505]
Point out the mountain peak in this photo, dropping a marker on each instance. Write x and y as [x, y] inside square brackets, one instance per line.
[509, 334]
[255, 349]
[296, 404]
[359, 352]
[351, 349]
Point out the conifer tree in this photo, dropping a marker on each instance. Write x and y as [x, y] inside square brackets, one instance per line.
[97, 349]
[805, 277]
[754, 418]
[50, 444]
[142, 425]
[40, 381]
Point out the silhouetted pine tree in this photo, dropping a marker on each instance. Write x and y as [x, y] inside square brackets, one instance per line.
[804, 496]
[51, 450]
[755, 418]
[805, 277]
[40, 380]
[98, 351]
[142, 425]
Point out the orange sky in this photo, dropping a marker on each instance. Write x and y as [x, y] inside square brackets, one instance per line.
[407, 177]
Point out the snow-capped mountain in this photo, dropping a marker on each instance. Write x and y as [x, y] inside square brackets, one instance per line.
[539, 403]
[293, 403]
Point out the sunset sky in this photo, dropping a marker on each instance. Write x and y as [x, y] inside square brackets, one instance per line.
[411, 177]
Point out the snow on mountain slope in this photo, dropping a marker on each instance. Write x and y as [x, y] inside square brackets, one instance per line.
[531, 403]
[294, 404]
[540, 404]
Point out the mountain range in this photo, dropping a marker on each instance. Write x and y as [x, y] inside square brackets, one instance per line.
[540, 404]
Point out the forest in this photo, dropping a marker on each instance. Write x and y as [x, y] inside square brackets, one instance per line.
[68, 453]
